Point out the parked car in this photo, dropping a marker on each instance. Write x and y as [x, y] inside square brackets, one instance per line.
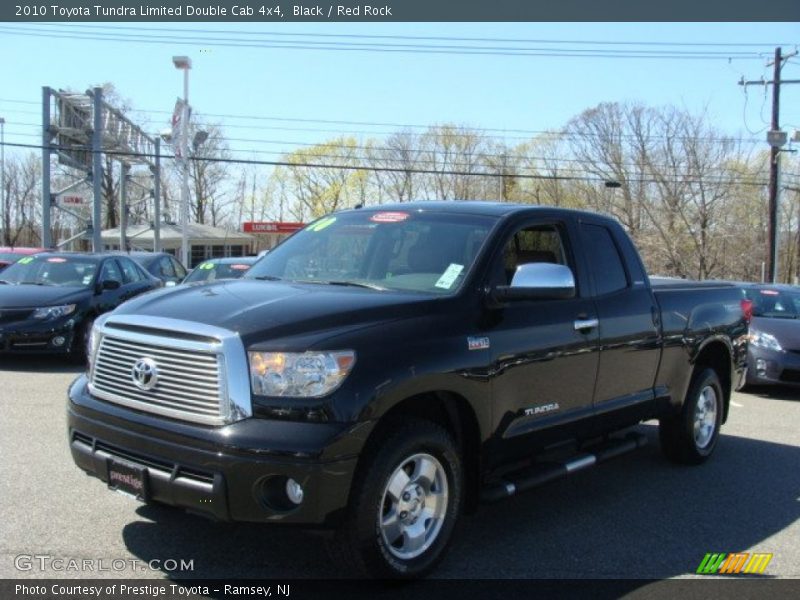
[773, 355]
[386, 369]
[10, 255]
[221, 268]
[161, 265]
[48, 301]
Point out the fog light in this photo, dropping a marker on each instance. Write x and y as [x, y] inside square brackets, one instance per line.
[58, 340]
[280, 493]
[761, 365]
[294, 491]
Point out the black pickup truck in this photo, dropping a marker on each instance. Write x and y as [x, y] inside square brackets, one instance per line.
[386, 369]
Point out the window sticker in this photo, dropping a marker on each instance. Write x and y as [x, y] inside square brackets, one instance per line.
[240, 267]
[25, 260]
[323, 224]
[56, 259]
[206, 266]
[449, 277]
[389, 217]
[87, 280]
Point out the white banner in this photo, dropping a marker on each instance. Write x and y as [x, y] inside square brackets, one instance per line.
[177, 125]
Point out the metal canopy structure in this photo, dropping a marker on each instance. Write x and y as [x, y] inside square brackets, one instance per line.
[79, 129]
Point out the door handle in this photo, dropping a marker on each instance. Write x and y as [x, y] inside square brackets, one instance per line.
[582, 324]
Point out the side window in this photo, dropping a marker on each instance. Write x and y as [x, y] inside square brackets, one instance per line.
[110, 271]
[129, 271]
[165, 267]
[542, 243]
[605, 262]
[179, 270]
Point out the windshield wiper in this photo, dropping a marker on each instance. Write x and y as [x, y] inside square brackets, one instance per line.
[370, 286]
[5, 282]
[34, 283]
[266, 278]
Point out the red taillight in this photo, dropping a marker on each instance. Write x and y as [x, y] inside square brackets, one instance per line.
[747, 309]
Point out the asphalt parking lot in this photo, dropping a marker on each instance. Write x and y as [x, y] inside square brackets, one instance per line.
[636, 517]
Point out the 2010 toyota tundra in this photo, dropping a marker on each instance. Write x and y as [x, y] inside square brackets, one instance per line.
[385, 369]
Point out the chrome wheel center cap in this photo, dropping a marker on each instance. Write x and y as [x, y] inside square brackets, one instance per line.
[411, 503]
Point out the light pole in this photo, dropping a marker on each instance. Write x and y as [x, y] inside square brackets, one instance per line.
[184, 63]
[3, 235]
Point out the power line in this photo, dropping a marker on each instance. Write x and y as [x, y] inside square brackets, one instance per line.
[414, 152]
[426, 38]
[381, 47]
[554, 133]
[428, 151]
[465, 128]
[370, 168]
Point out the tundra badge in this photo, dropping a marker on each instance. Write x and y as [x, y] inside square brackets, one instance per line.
[541, 409]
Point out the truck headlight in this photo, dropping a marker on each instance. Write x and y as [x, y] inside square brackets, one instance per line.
[759, 339]
[54, 312]
[299, 375]
[94, 342]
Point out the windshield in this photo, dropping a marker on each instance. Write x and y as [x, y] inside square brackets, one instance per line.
[778, 304]
[71, 271]
[209, 271]
[382, 250]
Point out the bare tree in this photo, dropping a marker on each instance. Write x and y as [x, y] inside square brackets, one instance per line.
[213, 201]
[22, 213]
[401, 153]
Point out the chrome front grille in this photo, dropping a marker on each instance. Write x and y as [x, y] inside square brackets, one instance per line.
[188, 383]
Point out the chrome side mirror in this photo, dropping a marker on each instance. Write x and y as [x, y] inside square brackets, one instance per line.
[538, 281]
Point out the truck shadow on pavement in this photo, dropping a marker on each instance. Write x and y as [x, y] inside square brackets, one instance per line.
[773, 392]
[40, 364]
[638, 517]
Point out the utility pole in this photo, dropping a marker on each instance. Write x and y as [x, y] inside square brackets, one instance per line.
[3, 208]
[774, 158]
[125, 173]
[796, 190]
[157, 197]
[776, 138]
[184, 63]
[47, 203]
[97, 170]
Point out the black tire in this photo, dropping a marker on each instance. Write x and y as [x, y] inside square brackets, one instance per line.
[681, 440]
[359, 545]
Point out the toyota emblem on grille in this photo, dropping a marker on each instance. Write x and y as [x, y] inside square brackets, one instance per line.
[144, 374]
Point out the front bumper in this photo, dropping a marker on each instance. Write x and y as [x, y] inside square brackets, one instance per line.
[227, 473]
[33, 337]
[772, 367]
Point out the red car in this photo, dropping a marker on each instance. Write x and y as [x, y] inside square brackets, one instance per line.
[12, 255]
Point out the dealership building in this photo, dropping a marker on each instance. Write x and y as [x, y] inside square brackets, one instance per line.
[205, 241]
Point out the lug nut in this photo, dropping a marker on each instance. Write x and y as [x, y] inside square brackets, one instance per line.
[403, 514]
[406, 496]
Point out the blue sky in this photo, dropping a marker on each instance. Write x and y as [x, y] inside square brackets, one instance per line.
[485, 91]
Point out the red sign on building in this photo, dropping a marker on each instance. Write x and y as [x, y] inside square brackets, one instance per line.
[271, 227]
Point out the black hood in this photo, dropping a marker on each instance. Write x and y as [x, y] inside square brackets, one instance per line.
[786, 331]
[266, 310]
[31, 296]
